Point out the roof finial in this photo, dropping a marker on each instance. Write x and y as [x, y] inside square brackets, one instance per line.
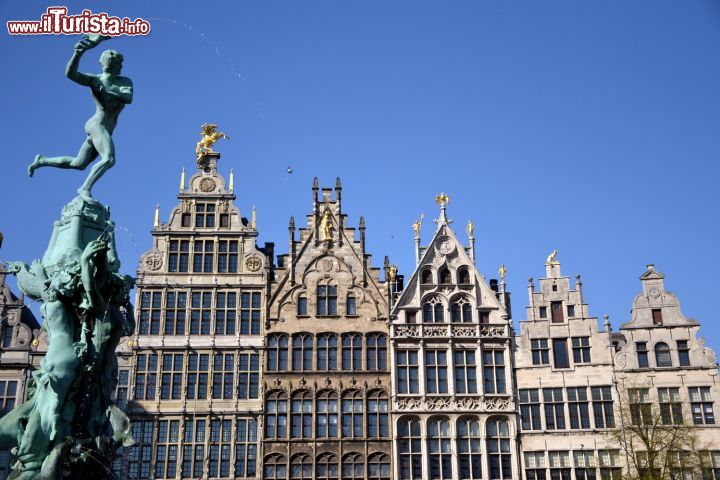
[442, 200]
[156, 222]
[232, 180]
[552, 258]
[253, 219]
[182, 179]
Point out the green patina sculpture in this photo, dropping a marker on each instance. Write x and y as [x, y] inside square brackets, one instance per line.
[70, 427]
[111, 93]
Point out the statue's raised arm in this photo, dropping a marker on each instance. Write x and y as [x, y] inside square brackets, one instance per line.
[111, 92]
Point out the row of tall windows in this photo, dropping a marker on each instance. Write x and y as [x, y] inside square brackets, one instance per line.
[464, 365]
[663, 354]
[202, 375]
[329, 415]
[586, 408]
[464, 461]
[585, 463]
[202, 441]
[206, 256]
[327, 467]
[326, 302]
[200, 312]
[327, 352]
[540, 349]
[460, 311]
[557, 312]
[670, 403]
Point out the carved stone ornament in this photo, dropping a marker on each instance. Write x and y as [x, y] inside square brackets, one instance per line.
[253, 263]
[445, 246]
[153, 261]
[207, 185]
[406, 331]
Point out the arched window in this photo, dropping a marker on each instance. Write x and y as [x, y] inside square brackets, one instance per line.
[378, 467]
[350, 305]
[353, 467]
[301, 414]
[326, 467]
[302, 352]
[352, 414]
[277, 352]
[461, 310]
[444, 276]
[463, 276]
[498, 449]
[276, 415]
[327, 351]
[326, 300]
[433, 311]
[409, 449]
[468, 445]
[302, 305]
[327, 415]
[426, 277]
[275, 467]
[377, 415]
[439, 460]
[662, 355]
[376, 351]
[352, 351]
[301, 467]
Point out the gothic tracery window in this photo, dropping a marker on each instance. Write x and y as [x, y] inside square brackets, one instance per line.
[432, 311]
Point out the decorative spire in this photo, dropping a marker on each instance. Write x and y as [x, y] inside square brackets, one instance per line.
[156, 222]
[253, 218]
[232, 181]
[442, 200]
[182, 180]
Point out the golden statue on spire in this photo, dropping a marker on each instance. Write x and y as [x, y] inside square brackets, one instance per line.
[552, 258]
[208, 136]
[417, 224]
[470, 228]
[442, 199]
[502, 271]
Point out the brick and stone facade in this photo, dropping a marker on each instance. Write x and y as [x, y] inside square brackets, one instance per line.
[323, 366]
[327, 379]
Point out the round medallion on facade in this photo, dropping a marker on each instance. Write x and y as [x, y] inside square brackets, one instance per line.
[327, 264]
[153, 261]
[253, 263]
[207, 185]
[445, 246]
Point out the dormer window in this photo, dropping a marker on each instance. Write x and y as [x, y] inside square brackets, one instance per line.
[543, 312]
[554, 288]
[426, 277]
[205, 215]
[657, 316]
[185, 220]
[571, 311]
[444, 275]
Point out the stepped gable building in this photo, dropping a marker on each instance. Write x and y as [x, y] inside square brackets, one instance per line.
[326, 380]
[566, 395]
[667, 375]
[197, 352]
[453, 411]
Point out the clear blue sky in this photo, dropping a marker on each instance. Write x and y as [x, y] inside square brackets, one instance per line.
[587, 126]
